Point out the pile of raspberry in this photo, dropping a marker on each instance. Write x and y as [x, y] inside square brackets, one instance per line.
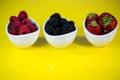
[21, 25]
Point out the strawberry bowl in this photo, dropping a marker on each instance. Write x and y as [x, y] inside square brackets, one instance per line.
[97, 35]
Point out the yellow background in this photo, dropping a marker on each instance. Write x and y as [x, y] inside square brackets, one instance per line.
[79, 61]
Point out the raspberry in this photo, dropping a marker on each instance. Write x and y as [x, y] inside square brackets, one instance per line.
[24, 30]
[32, 27]
[11, 29]
[16, 25]
[13, 32]
[22, 15]
[13, 18]
[26, 21]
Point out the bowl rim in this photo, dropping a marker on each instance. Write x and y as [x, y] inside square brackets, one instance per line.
[57, 35]
[85, 29]
[37, 25]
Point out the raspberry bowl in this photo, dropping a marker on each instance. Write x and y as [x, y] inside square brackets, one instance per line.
[57, 36]
[97, 38]
[24, 40]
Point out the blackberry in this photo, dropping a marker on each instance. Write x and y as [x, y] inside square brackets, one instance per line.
[56, 31]
[63, 21]
[56, 16]
[67, 28]
[71, 22]
[49, 29]
[53, 22]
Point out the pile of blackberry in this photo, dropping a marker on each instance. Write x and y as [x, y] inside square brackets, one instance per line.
[58, 26]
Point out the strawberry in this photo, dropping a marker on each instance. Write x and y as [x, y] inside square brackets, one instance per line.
[107, 22]
[22, 15]
[91, 17]
[94, 27]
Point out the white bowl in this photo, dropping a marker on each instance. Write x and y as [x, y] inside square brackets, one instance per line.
[26, 40]
[60, 41]
[99, 40]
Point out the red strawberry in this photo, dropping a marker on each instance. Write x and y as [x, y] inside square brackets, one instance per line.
[26, 21]
[91, 17]
[94, 27]
[22, 15]
[107, 21]
[24, 30]
[32, 27]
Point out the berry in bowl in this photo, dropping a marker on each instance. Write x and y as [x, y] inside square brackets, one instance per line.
[22, 31]
[100, 30]
[58, 31]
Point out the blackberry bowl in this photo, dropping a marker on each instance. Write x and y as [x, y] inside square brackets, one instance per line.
[59, 32]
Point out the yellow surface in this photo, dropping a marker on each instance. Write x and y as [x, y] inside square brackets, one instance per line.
[79, 61]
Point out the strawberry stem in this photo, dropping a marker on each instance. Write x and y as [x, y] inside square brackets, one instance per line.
[94, 23]
[90, 15]
[107, 20]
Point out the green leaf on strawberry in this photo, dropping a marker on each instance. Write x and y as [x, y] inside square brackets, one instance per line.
[90, 15]
[107, 20]
[94, 23]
